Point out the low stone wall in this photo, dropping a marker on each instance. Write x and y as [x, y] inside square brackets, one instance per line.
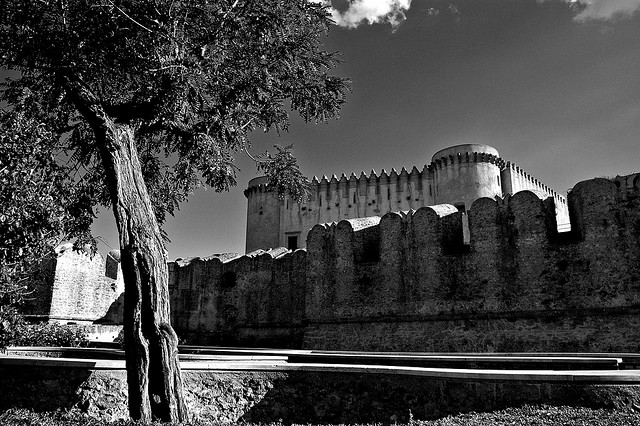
[310, 394]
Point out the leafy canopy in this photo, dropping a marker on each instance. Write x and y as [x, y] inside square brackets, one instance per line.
[41, 205]
[193, 78]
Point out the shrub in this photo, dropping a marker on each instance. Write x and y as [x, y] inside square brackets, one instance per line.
[10, 320]
[21, 333]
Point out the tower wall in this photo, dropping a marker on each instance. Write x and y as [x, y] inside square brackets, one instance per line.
[464, 173]
[263, 215]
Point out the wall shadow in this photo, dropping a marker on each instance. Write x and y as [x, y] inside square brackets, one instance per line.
[350, 398]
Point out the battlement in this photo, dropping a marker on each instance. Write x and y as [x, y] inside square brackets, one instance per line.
[511, 218]
[531, 182]
[516, 271]
[257, 184]
[466, 157]
[629, 183]
[354, 181]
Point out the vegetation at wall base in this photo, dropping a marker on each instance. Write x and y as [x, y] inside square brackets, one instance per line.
[522, 416]
[45, 334]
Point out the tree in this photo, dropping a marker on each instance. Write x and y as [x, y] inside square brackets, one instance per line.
[155, 97]
[41, 205]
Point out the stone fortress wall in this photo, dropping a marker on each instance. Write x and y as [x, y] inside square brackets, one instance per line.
[408, 281]
[79, 288]
[457, 175]
[481, 274]
[252, 300]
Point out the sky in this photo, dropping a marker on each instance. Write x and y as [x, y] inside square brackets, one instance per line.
[553, 85]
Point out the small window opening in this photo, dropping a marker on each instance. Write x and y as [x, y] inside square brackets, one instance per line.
[292, 242]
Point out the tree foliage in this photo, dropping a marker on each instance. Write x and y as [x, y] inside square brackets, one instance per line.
[284, 173]
[41, 205]
[194, 78]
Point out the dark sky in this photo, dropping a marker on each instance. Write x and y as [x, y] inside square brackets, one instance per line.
[551, 90]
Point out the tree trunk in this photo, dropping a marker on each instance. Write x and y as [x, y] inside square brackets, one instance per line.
[151, 346]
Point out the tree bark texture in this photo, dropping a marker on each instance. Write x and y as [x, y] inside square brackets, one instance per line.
[153, 371]
[151, 345]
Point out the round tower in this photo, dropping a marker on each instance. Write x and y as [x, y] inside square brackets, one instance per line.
[263, 215]
[464, 173]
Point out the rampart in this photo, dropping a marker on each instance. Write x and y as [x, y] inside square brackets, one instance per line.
[408, 281]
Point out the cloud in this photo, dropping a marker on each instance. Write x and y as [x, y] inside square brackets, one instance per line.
[360, 12]
[603, 10]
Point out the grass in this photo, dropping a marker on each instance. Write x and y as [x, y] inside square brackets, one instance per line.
[527, 415]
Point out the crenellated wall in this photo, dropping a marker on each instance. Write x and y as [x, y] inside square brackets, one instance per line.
[496, 277]
[410, 281]
[519, 286]
[255, 299]
[457, 175]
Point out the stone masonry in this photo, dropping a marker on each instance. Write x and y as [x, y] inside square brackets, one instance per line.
[80, 288]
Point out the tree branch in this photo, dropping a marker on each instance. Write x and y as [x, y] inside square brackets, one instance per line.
[129, 17]
[129, 111]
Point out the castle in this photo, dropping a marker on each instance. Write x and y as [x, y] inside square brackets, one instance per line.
[457, 175]
[488, 271]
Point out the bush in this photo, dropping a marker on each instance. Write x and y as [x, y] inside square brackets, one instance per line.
[10, 320]
[14, 331]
